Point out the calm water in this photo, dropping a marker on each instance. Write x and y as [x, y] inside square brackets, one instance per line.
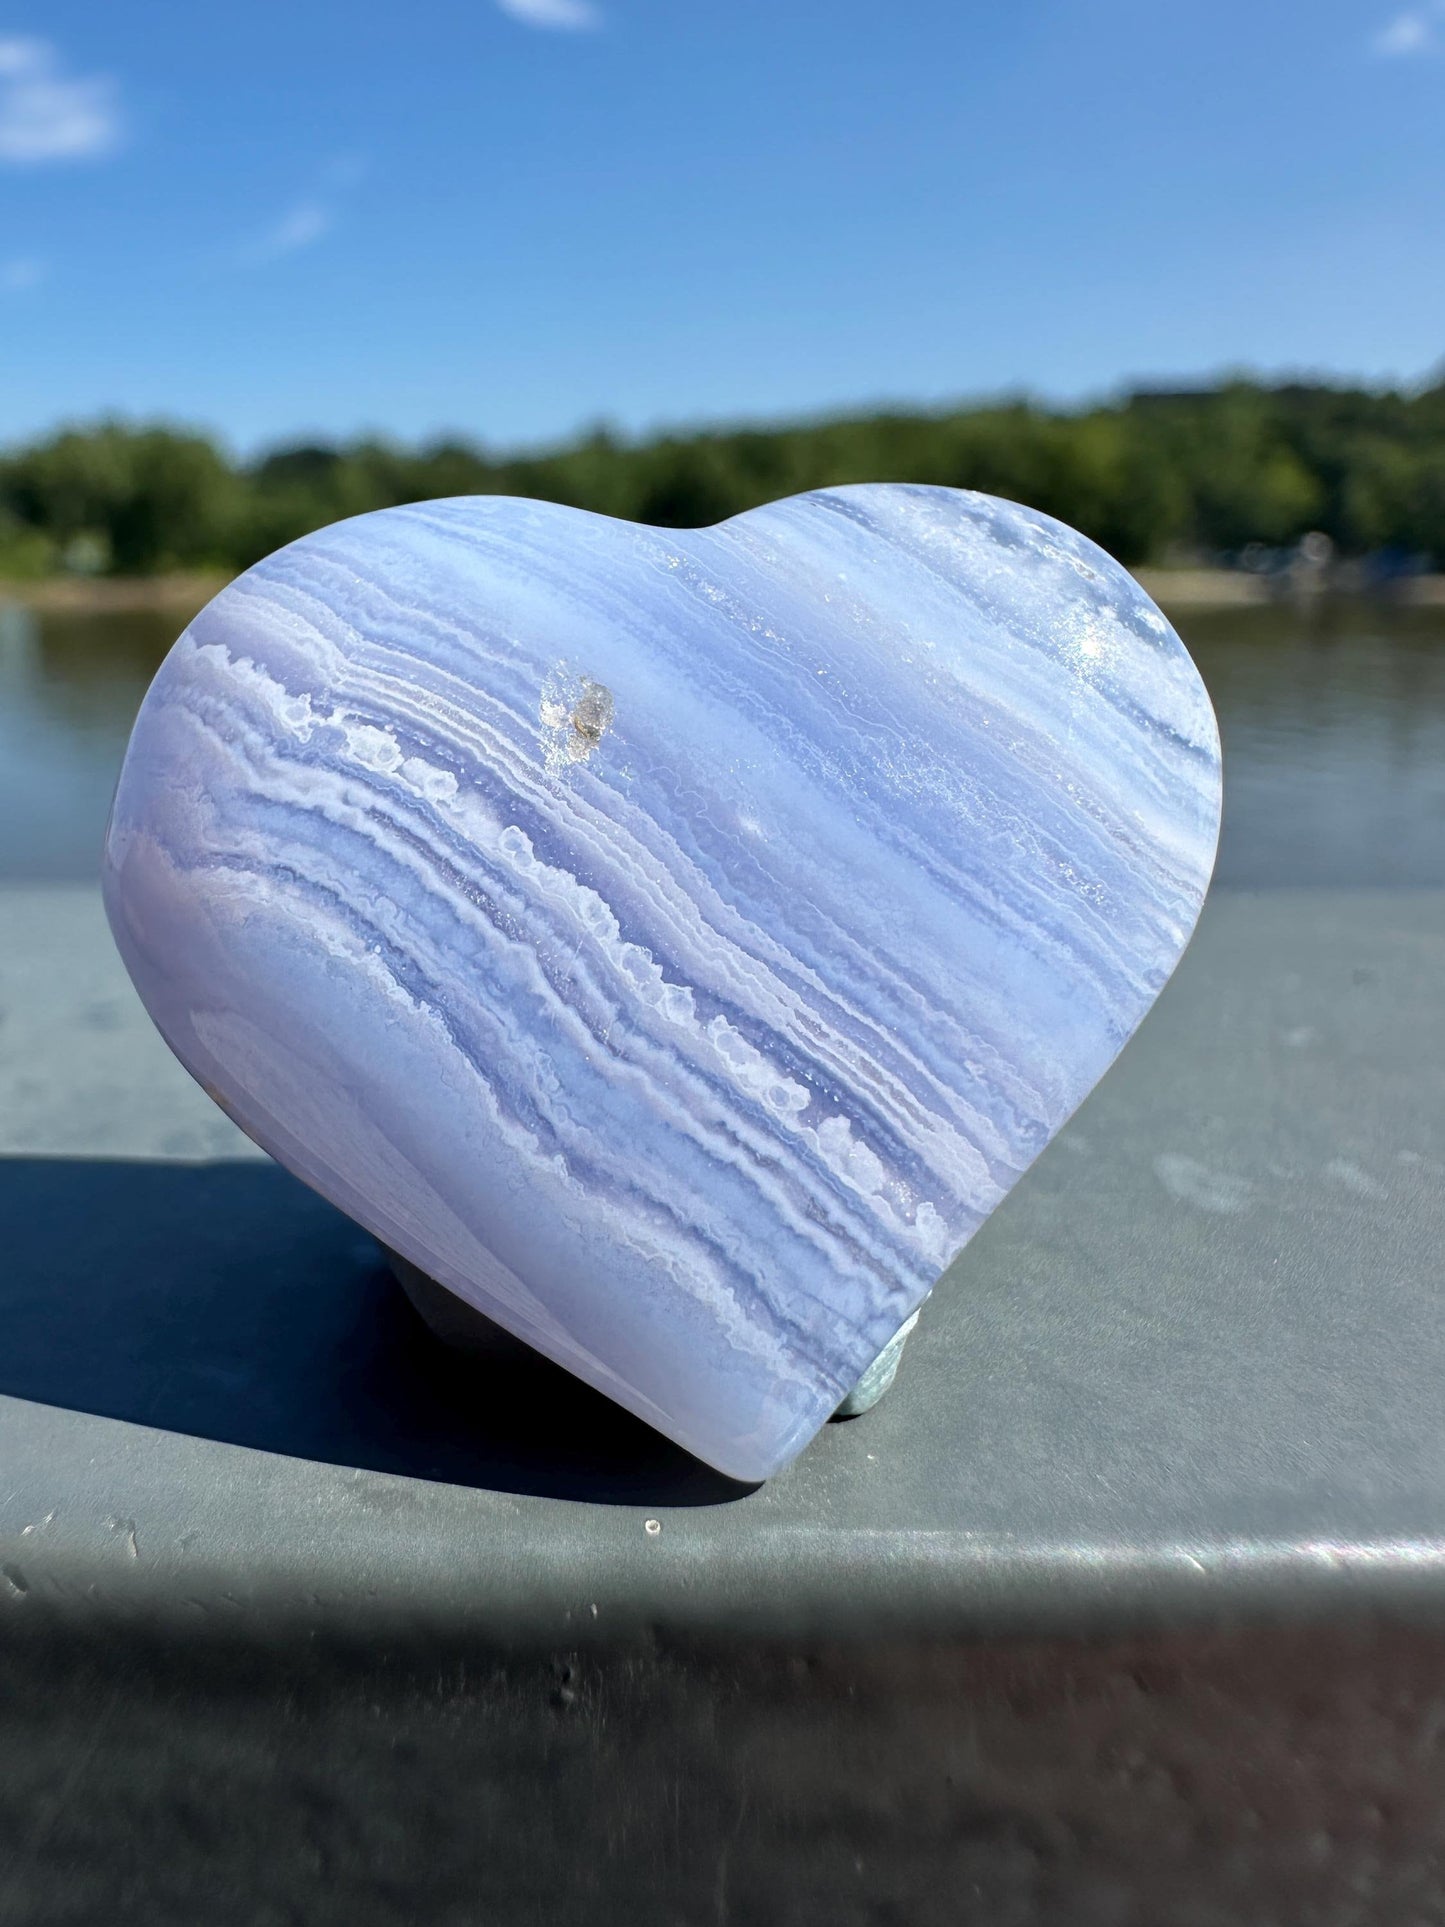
[1333, 722]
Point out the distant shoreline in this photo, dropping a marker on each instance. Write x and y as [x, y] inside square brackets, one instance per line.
[1239, 589]
[101, 595]
[181, 595]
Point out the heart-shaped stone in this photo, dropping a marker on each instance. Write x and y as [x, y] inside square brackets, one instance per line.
[675, 943]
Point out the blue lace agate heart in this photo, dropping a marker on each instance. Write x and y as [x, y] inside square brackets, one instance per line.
[676, 944]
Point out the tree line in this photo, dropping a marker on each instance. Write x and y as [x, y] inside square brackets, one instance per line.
[1203, 473]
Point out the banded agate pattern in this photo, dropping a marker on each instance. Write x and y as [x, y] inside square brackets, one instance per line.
[674, 943]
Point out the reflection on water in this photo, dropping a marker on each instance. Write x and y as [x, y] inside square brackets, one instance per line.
[69, 689]
[1333, 720]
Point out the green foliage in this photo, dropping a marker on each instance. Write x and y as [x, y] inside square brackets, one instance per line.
[26, 554]
[140, 499]
[1204, 471]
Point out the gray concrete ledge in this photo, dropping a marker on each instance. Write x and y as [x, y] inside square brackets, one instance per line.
[1191, 1370]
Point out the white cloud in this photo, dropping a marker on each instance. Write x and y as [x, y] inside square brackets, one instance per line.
[572, 16]
[299, 228]
[47, 114]
[1416, 31]
[19, 275]
[309, 219]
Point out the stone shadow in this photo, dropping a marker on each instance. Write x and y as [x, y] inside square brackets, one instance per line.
[229, 1302]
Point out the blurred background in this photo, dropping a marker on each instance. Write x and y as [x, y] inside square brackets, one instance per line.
[1174, 274]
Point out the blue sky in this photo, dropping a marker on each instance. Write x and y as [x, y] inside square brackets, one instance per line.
[515, 217]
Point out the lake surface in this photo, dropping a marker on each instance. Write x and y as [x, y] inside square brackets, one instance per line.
[1333, 718]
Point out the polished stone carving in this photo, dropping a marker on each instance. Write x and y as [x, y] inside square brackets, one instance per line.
[674, 943]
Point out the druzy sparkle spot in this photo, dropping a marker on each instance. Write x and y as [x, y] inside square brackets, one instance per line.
[576, 713]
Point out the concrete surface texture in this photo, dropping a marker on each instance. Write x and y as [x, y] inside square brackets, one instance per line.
[300, 1621]
[1192, 1365]
[1270, 1779]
